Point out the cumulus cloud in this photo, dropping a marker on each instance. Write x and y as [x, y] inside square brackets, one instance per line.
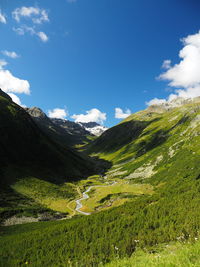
[92, 115]
[10, 54]
[58, 113]
[2, 17]
[119, 114]
[31, 30]
[36, 14]
[187, 72]
[12, 84]
[185, 75]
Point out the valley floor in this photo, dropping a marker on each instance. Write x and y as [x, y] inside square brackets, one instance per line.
[87, 196]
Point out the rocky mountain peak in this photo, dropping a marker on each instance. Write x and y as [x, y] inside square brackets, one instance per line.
[36, 112]
[168, 105]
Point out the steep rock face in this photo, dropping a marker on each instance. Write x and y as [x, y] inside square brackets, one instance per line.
[26, 151]
[36, 113]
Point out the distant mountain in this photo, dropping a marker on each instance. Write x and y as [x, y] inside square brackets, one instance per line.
[26, 150]
[94, 128]
[80, 128]
[65, 132]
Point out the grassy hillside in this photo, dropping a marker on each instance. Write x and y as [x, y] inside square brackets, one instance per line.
[163, 156]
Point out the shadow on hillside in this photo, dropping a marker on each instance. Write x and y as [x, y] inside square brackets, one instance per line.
[10, 173]
[158, 138]
[118, 136]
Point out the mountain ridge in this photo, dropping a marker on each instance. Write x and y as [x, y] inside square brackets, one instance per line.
[24, 144]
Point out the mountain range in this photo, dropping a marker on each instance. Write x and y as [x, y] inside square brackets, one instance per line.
[64, 131]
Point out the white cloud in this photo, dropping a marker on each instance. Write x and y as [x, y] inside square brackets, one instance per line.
[2, 17]
[58, 113]
[12, 84]
[36, 14]
[119, 114]
[10, 54]
[187, 72]
[185, 75]
[31, 30]
[43, 37]
[93, 115]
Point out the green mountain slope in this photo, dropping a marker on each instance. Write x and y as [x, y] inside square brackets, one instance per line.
[27, 151]
[159, 147]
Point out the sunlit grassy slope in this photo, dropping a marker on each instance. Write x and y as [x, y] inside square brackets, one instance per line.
[164, 139]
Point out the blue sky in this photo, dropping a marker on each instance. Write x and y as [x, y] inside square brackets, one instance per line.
[97, 54]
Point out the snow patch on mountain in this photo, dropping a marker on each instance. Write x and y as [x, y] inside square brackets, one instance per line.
[94, 128]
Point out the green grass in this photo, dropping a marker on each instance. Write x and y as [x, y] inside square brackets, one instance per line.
[172, 255]
[55, 197]
[113, 195]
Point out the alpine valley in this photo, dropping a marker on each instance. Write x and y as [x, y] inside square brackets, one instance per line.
[78, 194]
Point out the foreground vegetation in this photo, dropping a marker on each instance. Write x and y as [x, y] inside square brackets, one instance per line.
[173, 254]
